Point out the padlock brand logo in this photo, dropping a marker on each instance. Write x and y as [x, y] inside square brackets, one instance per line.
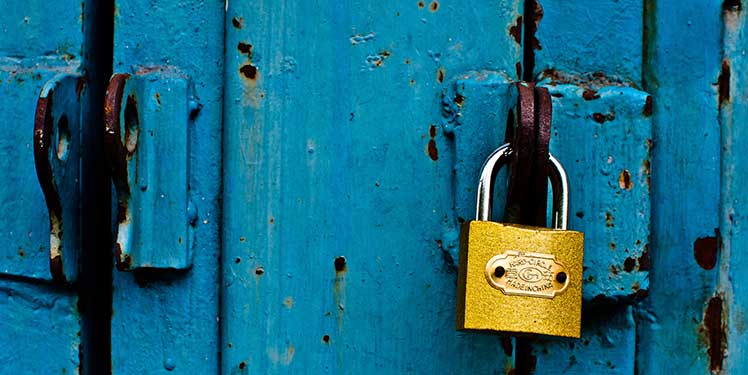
[527, 274]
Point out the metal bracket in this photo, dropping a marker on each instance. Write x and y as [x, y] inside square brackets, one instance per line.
[602, 136]
[57, 154]
[148, 117]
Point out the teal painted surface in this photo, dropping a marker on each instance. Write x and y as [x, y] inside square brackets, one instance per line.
[41, 321]
[682, 66]
[40, 325]
[151, 134]
[167, 321]
[338, 185]
[733, 209]
[586, 36]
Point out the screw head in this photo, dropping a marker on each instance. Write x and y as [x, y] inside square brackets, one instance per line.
[499, 271]
[561, 277]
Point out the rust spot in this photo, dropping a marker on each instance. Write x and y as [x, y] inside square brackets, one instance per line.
[612, 246]
[340, 264]
[714, 328]
[635, 286]
[237, 260]
[245, 48]
[326, 339]
[609, 220]
[259, 271]
[624, 180]
[590, 94]
[516, 30]
[705, 251]
[434, 6]
[723, 83]
[732, 5]
[242, 365]
[644, 264]
[242, 239]
[237, 22]
[288, 302]
[629, 264]
[271, 220]
[421, 4]
[440, 75]
[614, 270]
[407, 61]
[431, 147]
[21, 253]
[249, 71]
[80, 86]
[601, 118]
[459, 100]
[126, 262]
[647, 111]
[432, 131]
[158, 98]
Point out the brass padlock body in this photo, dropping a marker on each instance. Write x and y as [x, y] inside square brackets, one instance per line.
[535, 251]
[519, 279]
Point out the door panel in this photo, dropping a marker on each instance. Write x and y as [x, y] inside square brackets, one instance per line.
[24, 69]
[165, 313]
[338, 184]
[682, 66]
[48, 76]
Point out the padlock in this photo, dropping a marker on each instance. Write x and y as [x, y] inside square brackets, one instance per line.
[517, 279]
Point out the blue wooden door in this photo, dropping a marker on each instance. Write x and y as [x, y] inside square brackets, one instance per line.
[353, 134]
[265, 186]
[51, 82]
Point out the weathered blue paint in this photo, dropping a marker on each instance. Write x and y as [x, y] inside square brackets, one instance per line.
[338, 184]
[727, 330]
[44, 48]
[40, 328]
[149, 150]
[25, 249]
[57, 158]
[682, 67]
[602, 135]
[166, 321]
[586, 36]
[607, 181]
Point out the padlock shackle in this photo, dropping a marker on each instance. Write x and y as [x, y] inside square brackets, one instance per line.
[557, 175]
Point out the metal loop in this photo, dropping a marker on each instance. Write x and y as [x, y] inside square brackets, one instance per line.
[557, 175]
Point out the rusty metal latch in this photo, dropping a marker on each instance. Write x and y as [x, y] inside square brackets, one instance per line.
[57, 155]
[148, 116]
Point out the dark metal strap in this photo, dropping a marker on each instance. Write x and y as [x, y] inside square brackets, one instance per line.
[521, 162]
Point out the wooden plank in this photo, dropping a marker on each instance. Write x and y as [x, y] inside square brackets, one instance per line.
[725, 314]
[682, 65]
[338, 184]
[168, 321]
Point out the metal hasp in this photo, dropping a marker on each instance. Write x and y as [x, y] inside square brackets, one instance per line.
[57, 156]
[148, 116]
[609, 181]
